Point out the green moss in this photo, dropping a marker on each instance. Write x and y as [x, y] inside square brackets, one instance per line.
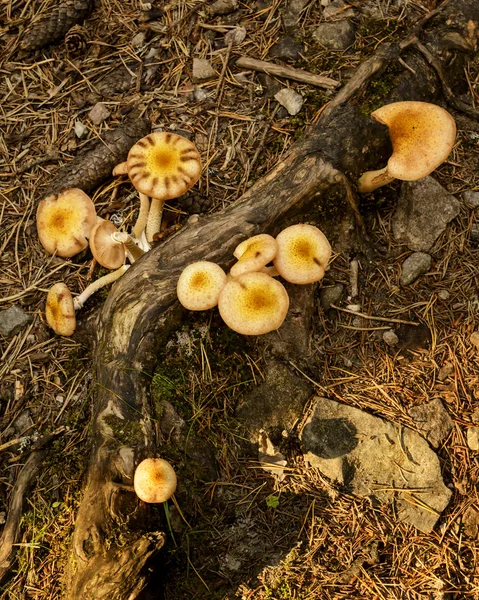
[127, 433]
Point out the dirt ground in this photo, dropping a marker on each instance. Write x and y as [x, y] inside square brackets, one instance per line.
[234, 530]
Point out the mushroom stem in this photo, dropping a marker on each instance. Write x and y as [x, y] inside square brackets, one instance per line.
[154, 218]
[371, 180]
[140, 224]
[134, 252]
[121, 169]
[80, 300]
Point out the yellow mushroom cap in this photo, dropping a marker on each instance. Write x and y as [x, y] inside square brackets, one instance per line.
[64, 221]
[59, 310]
[108, 253]
[164, 165]
[303, 254]
[422, 135]
[254, 303]
[200, 284]
[154, 480]
[254, 253]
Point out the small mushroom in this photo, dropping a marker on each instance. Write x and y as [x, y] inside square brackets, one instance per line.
[253, 254]
[107, 251]
[60, 310]
[64, 221]
[163, 166]
[422, 135]
[200, 284]
[253, 304]
[154, 480]
[303, 254]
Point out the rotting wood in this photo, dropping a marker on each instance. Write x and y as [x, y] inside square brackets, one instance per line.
[141, 309]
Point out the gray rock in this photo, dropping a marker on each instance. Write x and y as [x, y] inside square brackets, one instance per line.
[338, 8]
[202, 70]
[376, 458]
[390, 338]
[423, 212]
[291, 100]
[470, 521]
[286, 48]
[13, 320]
[335, 36]
[98, 113]
[471, 199]
[472, 437]
[222, 7]
[291, 14]
[276, 403]
[330, 295]
[414, 266]
[270, 84]
[432, 420]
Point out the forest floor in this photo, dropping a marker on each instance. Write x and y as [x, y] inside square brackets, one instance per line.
[312, 539]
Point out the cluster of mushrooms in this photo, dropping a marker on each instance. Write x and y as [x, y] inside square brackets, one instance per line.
[249, 299]
[161, 166]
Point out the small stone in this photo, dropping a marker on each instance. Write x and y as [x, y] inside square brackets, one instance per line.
[443, 294]
[222, 7]
[13, 320]
[336, 36]
[474, 339]
[473, 438]
[286, 48]
[330, 295]
[99, 113]
[445, 371]
[470, 521]
[291, 100]
[202, 70]
[432, 420]
[414, 266]
[235, 36]
[423, 211]
[390, 338]
[337, 8]
[270, 84]
[471, 199]
[139, 40]
[80, 129]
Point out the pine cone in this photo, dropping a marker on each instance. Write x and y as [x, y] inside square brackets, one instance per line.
[55, 24]
[76, 39]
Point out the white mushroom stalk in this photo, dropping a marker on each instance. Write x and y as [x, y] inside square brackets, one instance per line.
[140, 224]
[133, 251]
[80, 300]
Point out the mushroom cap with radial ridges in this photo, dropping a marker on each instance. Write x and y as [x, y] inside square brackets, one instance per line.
[422, 135]
[107, 252]
[64, 221]
[254, 253]
[60, 311]
[164, 165]
[253, 304]
[303, 254]
[154, 480]
[200, 284]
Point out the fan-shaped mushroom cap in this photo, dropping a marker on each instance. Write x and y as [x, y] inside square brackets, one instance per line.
[254, 253]
[59, 310]
[253, 304]
[164, 165]
[64, 221]
[109, 253]
[422, 135]
[303, 254]
[154, 480]
[200, 284]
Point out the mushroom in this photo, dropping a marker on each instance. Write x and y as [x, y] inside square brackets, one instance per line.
[64, 221]
[254, 253]
[108, 252]
[80, 300]
[133, 251]
[303, 254]
[422, 135]
[254, 303]
[154, 480]
[163, 166]
[200, 284]
[60, 310]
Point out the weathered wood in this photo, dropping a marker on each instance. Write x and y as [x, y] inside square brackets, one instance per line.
[141, 309]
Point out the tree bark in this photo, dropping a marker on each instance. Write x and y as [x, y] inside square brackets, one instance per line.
[141, 309]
